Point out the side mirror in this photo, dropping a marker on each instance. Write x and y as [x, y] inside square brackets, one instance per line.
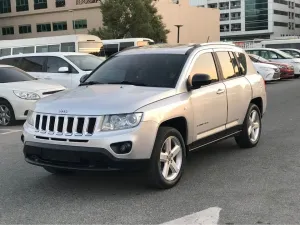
[82, 79]
[199, 80]
[63, 69]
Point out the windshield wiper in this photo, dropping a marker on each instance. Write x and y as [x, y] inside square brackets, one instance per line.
[90, 83]
[129, 83]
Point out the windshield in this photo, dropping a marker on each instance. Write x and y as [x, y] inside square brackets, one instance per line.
[12, 74]
[152, 70]
[260, 59]
[85, 62]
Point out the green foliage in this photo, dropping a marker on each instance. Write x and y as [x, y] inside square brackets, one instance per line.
[130, 18]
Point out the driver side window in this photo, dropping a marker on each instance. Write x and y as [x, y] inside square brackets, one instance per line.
[205, 64]
[54, 63]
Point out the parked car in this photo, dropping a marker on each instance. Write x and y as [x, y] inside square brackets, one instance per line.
[291, 51]
[148, 108]
[63, 68]
[267, 71]
[275, 55]
[286, 70]
[19, 92]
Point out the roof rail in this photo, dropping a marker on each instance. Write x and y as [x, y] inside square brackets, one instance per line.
[217, 43]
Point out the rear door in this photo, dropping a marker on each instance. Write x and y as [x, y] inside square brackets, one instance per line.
[34, 65]
[52, 71]
[238, 88]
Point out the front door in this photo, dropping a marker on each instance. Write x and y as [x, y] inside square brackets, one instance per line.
[209, 102]
[52, 71]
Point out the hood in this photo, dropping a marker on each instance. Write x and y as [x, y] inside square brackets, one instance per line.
[34, 86]
[102, 99]
[259, 65]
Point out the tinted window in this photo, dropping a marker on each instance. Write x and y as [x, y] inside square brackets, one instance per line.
[68, 47]
[205, 64]
[32, 64]
[85, 62]
[5, 51]
[111, 49]
[124, 45]
[23, 50]
[47, 48]
[8, 75]
[54, 63]
[226, 65]
[274, 55]
[152, 70]
[235, 64]
[11, 61]
[241, 57]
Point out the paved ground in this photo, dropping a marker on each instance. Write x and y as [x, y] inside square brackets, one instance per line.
[259, 185]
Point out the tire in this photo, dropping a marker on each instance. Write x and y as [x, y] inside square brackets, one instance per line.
[58, 171]
[246, 140]
[296, 76]
[157, 167]
[7, 115]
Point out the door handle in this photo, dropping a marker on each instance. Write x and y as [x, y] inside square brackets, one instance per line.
[220, 91]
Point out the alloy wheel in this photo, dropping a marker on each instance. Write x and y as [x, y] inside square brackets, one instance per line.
[254, 126]
[5, 115]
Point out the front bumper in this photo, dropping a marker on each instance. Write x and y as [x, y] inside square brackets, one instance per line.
[78, 158]
[87, 148]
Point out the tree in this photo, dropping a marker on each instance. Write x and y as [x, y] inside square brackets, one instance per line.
[130, 18]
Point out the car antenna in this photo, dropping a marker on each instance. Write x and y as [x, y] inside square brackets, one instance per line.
[207, 39]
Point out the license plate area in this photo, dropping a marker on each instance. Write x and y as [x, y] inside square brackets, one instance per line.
[60, 156]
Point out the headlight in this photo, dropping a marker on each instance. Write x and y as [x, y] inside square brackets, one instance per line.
[27, 95]
[121, 122]
[282, 67]
[30, 118]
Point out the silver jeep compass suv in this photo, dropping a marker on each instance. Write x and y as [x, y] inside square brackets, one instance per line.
[147, 108]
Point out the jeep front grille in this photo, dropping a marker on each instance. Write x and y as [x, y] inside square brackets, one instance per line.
[66, 125]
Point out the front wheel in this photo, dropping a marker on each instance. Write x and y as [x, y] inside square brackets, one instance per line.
[250, 135]
[7, 116]
[168, 158]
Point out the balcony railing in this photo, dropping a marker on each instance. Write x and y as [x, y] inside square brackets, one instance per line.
[224, 18]
[224, 7]
[235, 6]
[235, 18]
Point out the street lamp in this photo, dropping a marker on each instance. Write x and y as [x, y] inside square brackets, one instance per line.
[178, 31]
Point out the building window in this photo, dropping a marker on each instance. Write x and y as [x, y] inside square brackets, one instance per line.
[60, 3]
[280, 24]
[60, 26]
[40, 4]
[46, 27]
[25, 29]
[22, 5]
[283, 2]
[283, 13]
[8, 31]
[79, 24]
[5, 6]
[256, 15]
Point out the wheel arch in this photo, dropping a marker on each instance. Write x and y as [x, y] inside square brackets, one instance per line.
[259, 103]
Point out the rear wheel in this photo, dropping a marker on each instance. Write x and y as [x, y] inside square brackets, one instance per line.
[7, 116]
[168, 158]
[58, 171]
[250, 135]
[296, 76]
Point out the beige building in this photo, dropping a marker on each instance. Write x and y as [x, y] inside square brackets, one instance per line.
[41, 18]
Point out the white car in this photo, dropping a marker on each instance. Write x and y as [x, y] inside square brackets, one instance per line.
[275, 55]
[63, 68]
[267, 71]
[19, 92]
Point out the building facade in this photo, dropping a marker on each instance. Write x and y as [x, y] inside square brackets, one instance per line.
[41, 18]
[250, 19]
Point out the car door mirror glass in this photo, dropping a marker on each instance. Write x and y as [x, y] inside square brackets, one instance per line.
[199, 80]
[63, 69]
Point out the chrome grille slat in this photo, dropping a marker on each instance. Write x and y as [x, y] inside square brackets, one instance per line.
[64, 125]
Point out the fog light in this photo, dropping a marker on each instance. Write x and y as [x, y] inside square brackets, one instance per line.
[121, 147]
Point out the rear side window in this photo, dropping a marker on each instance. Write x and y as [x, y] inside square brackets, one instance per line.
[226, 65]
[124, 45]
[11, 61]
[111, 49]
[8, 75]
[241, 57]
[33, 64]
